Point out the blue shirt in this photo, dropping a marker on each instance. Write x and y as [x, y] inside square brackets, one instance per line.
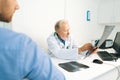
[20, 58]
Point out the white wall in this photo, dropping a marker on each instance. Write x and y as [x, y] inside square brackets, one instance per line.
[85, 31]
[109, 14]
[109, 11]
[36, 18]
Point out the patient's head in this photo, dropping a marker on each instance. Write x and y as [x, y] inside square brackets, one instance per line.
[7, 9]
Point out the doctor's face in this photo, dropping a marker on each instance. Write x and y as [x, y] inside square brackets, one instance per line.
[7, 9]
[63, 32]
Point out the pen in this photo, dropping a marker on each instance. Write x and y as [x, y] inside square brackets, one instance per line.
[87, 54]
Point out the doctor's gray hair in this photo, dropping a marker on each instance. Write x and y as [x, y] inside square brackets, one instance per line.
[58, 24]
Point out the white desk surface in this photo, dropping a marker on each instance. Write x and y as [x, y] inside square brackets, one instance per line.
[107, 71]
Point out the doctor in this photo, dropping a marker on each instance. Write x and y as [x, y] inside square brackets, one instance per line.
[61, 45]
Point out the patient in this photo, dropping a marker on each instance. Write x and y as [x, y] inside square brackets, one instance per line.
[61, 45]
[20, 56]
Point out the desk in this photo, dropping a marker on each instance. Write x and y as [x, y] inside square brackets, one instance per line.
[109, 70]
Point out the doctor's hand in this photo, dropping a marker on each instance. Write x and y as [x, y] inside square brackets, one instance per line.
[87, 46]
[94, 50]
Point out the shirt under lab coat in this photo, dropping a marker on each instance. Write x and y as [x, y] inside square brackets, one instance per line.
[59, 50]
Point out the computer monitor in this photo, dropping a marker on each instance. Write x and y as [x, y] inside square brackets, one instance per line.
[116, 44]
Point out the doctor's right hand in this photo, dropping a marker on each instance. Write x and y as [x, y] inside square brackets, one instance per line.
[87, 46]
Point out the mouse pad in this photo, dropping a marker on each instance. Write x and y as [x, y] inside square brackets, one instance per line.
[72, 66]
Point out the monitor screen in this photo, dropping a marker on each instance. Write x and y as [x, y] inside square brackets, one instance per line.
[116, 44]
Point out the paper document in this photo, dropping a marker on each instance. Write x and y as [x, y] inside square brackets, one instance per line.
[106, 33]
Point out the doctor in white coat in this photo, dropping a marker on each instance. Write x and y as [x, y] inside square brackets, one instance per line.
[61, 45]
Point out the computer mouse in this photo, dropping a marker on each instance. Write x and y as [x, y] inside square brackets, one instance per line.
[97, 61]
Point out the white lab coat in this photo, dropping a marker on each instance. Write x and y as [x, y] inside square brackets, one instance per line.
[59, 50]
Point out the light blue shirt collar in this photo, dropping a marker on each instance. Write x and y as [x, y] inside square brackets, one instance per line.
[6, 25]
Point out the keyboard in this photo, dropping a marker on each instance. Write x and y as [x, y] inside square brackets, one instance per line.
[105, 56]
[115, 55]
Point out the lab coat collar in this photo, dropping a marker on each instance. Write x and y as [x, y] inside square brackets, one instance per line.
[63, 41]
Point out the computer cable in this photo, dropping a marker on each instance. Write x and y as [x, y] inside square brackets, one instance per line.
[117, 68]
[114, 58]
